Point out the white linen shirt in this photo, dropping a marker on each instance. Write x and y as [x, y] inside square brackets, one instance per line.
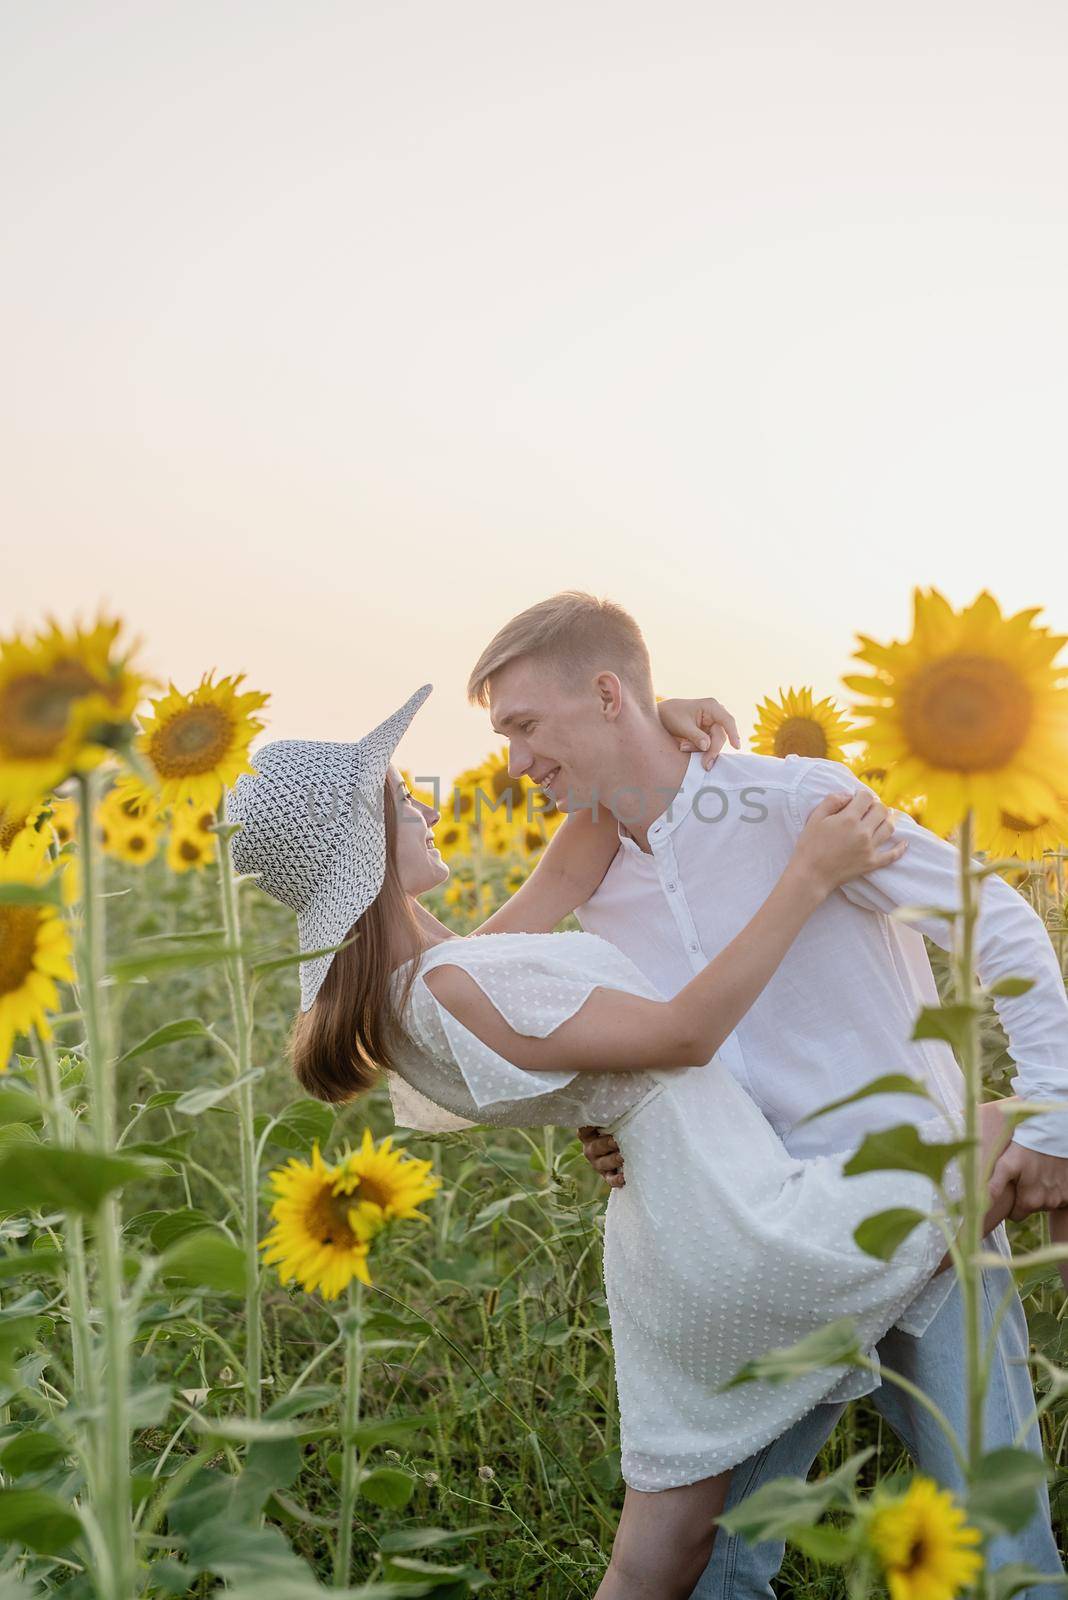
[840, 1008]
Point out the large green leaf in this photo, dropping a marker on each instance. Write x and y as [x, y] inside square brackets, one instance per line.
[48, 1260]
[945, 1022]
[19, 1105]
[784, 1504]
[399, 1540]
[49, 1178]
[125, 969]
[183, 1028]
[1003, 1496]
[1010, 1579]
[300, 1401]
[248, 1430]
[194, 1101]
[174, 1225]
[890, 1083]
[261, 968]
[901, 1149]
[830, 1346]
[453, 1581]
[882, 1234]
[206, 1260]
[17, 1133]
[389, 1487]
[397, 1430]
[32, 894]
[300, 1125]
[32, 1451]
[1009, 988]
[37, 1519]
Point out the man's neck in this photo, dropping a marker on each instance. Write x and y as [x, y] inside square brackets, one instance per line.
[653, 779]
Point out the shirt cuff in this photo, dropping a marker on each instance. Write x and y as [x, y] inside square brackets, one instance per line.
[1047, 1135]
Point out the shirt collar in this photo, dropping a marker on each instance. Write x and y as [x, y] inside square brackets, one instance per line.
[675, 810]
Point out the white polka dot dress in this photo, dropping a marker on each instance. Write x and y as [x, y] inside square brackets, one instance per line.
[721, 1245]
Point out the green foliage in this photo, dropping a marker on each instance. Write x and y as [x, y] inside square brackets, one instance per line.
[487, 1330]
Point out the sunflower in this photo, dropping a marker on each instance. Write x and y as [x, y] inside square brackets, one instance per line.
[64, 700]
[12, 822]
[970, 712]
[64, 819]
[459, 804]
[1027, 841]
[875, 778]
[134, 799]
[452, 838]
[798, 725]
[137, 844]
[187, 849]
[197, 743]
[192, 843]
[926, 1549]
[385, 1185]
[517, 877]
[129, 822]
[326, 1216]
[501, 795]
[35, 946]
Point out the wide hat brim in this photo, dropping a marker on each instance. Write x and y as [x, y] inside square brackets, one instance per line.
[358, 866]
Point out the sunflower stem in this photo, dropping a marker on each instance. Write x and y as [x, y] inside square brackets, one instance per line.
[350, 1456]
[239, 1005]
[62, 1129]
[969, 1273]
[113, 1455]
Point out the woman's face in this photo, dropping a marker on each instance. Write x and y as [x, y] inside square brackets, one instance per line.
[419, 864]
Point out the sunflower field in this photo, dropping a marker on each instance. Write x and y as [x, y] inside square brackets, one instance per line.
[257, 1343]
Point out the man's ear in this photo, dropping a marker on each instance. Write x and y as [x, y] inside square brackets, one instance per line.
[609, 694]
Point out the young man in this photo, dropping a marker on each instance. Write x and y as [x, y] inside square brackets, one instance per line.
[568, 683]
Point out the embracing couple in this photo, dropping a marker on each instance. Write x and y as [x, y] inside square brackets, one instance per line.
[738, 969]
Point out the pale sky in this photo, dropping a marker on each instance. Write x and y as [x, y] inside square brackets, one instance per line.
[335, 332]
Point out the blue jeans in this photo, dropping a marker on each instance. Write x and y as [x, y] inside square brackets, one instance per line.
[935, 1363]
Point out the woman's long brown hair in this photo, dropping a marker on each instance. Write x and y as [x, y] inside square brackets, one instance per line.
[353, 1031]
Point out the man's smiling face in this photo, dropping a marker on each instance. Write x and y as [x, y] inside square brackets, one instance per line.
[556, 732]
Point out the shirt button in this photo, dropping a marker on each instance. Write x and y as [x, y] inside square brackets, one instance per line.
[694, 947]
[672, 886]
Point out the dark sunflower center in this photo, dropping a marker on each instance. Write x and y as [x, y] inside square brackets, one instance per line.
[136, 842]
[9, 827]
[327, 1219]
[18, 940]
[917, 1554]
[35, 709]
[503, 788]
[194, 740]
[800, 736]
[368, 1189]
[188, 850]
[966, 713]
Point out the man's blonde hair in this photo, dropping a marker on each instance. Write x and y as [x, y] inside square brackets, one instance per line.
[574, 633]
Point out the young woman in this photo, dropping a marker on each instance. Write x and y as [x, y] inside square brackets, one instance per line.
[721, 1246]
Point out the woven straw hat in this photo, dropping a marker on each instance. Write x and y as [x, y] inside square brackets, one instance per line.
[313, 829]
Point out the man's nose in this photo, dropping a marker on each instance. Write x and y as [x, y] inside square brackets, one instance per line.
[519, 759]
